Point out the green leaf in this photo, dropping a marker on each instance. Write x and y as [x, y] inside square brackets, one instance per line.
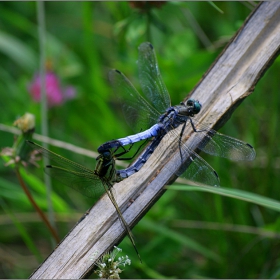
[215, 6]
[39, 187]
[234, 193]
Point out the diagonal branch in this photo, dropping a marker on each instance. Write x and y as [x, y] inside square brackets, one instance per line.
[230, 79]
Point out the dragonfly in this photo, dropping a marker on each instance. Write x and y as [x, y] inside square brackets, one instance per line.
[91, 183]
[153, 111]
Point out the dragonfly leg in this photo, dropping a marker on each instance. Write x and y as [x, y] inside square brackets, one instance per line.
[123, 152]
[180, 139]
[129, 158]
[194, 128]
[182, 132]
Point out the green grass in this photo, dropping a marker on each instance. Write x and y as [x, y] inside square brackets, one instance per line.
[85, 40]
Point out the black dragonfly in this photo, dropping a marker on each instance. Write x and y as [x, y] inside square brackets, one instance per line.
[91, 183]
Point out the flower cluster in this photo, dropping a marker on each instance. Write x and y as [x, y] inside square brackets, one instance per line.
[25, 123]
[56, 95]
[108, 267]
[20, 152]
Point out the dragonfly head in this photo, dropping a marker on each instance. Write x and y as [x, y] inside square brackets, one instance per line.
[194, 106]
[106, 155]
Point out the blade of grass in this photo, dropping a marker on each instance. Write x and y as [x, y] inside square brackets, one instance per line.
[234, 193]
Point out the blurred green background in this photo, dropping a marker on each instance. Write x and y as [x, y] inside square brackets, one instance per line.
[84, 41]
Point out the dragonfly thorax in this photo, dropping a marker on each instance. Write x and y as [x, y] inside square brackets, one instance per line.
[105, 165]
[176, 115]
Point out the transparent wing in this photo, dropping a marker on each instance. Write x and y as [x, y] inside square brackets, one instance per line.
[72, 174]
[138, 113]
[60, 160]
[198, 170]
[150, 78]
[193, 167]
[86, 183]
[217, 144]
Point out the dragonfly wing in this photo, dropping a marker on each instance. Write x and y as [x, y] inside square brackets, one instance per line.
[71, 174]
[138, 113]
[192, 167]
[217, 144]
[150, 78]
[198, 170]
[59, 160]
[86, 183]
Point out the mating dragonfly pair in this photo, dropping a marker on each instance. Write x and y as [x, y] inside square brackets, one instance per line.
[151, 110]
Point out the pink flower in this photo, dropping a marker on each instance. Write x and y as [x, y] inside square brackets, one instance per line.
[56, 95]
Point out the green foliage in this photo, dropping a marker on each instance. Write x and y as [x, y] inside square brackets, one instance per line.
[85, 40]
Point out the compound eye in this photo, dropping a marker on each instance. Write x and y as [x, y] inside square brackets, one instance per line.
[190, 102]
[196, 107]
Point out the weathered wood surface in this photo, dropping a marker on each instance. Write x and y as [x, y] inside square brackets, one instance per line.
[230, 79]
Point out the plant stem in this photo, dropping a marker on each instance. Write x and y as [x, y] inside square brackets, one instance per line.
[44, 108]
[34, 204]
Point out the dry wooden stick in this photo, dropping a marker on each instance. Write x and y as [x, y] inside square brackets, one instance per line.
[230, 79]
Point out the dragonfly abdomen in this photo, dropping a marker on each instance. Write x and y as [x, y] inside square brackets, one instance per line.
[142, 159]
[149, 133]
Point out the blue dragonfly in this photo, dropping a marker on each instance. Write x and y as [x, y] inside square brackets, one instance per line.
[153, 111]
[91, 183]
